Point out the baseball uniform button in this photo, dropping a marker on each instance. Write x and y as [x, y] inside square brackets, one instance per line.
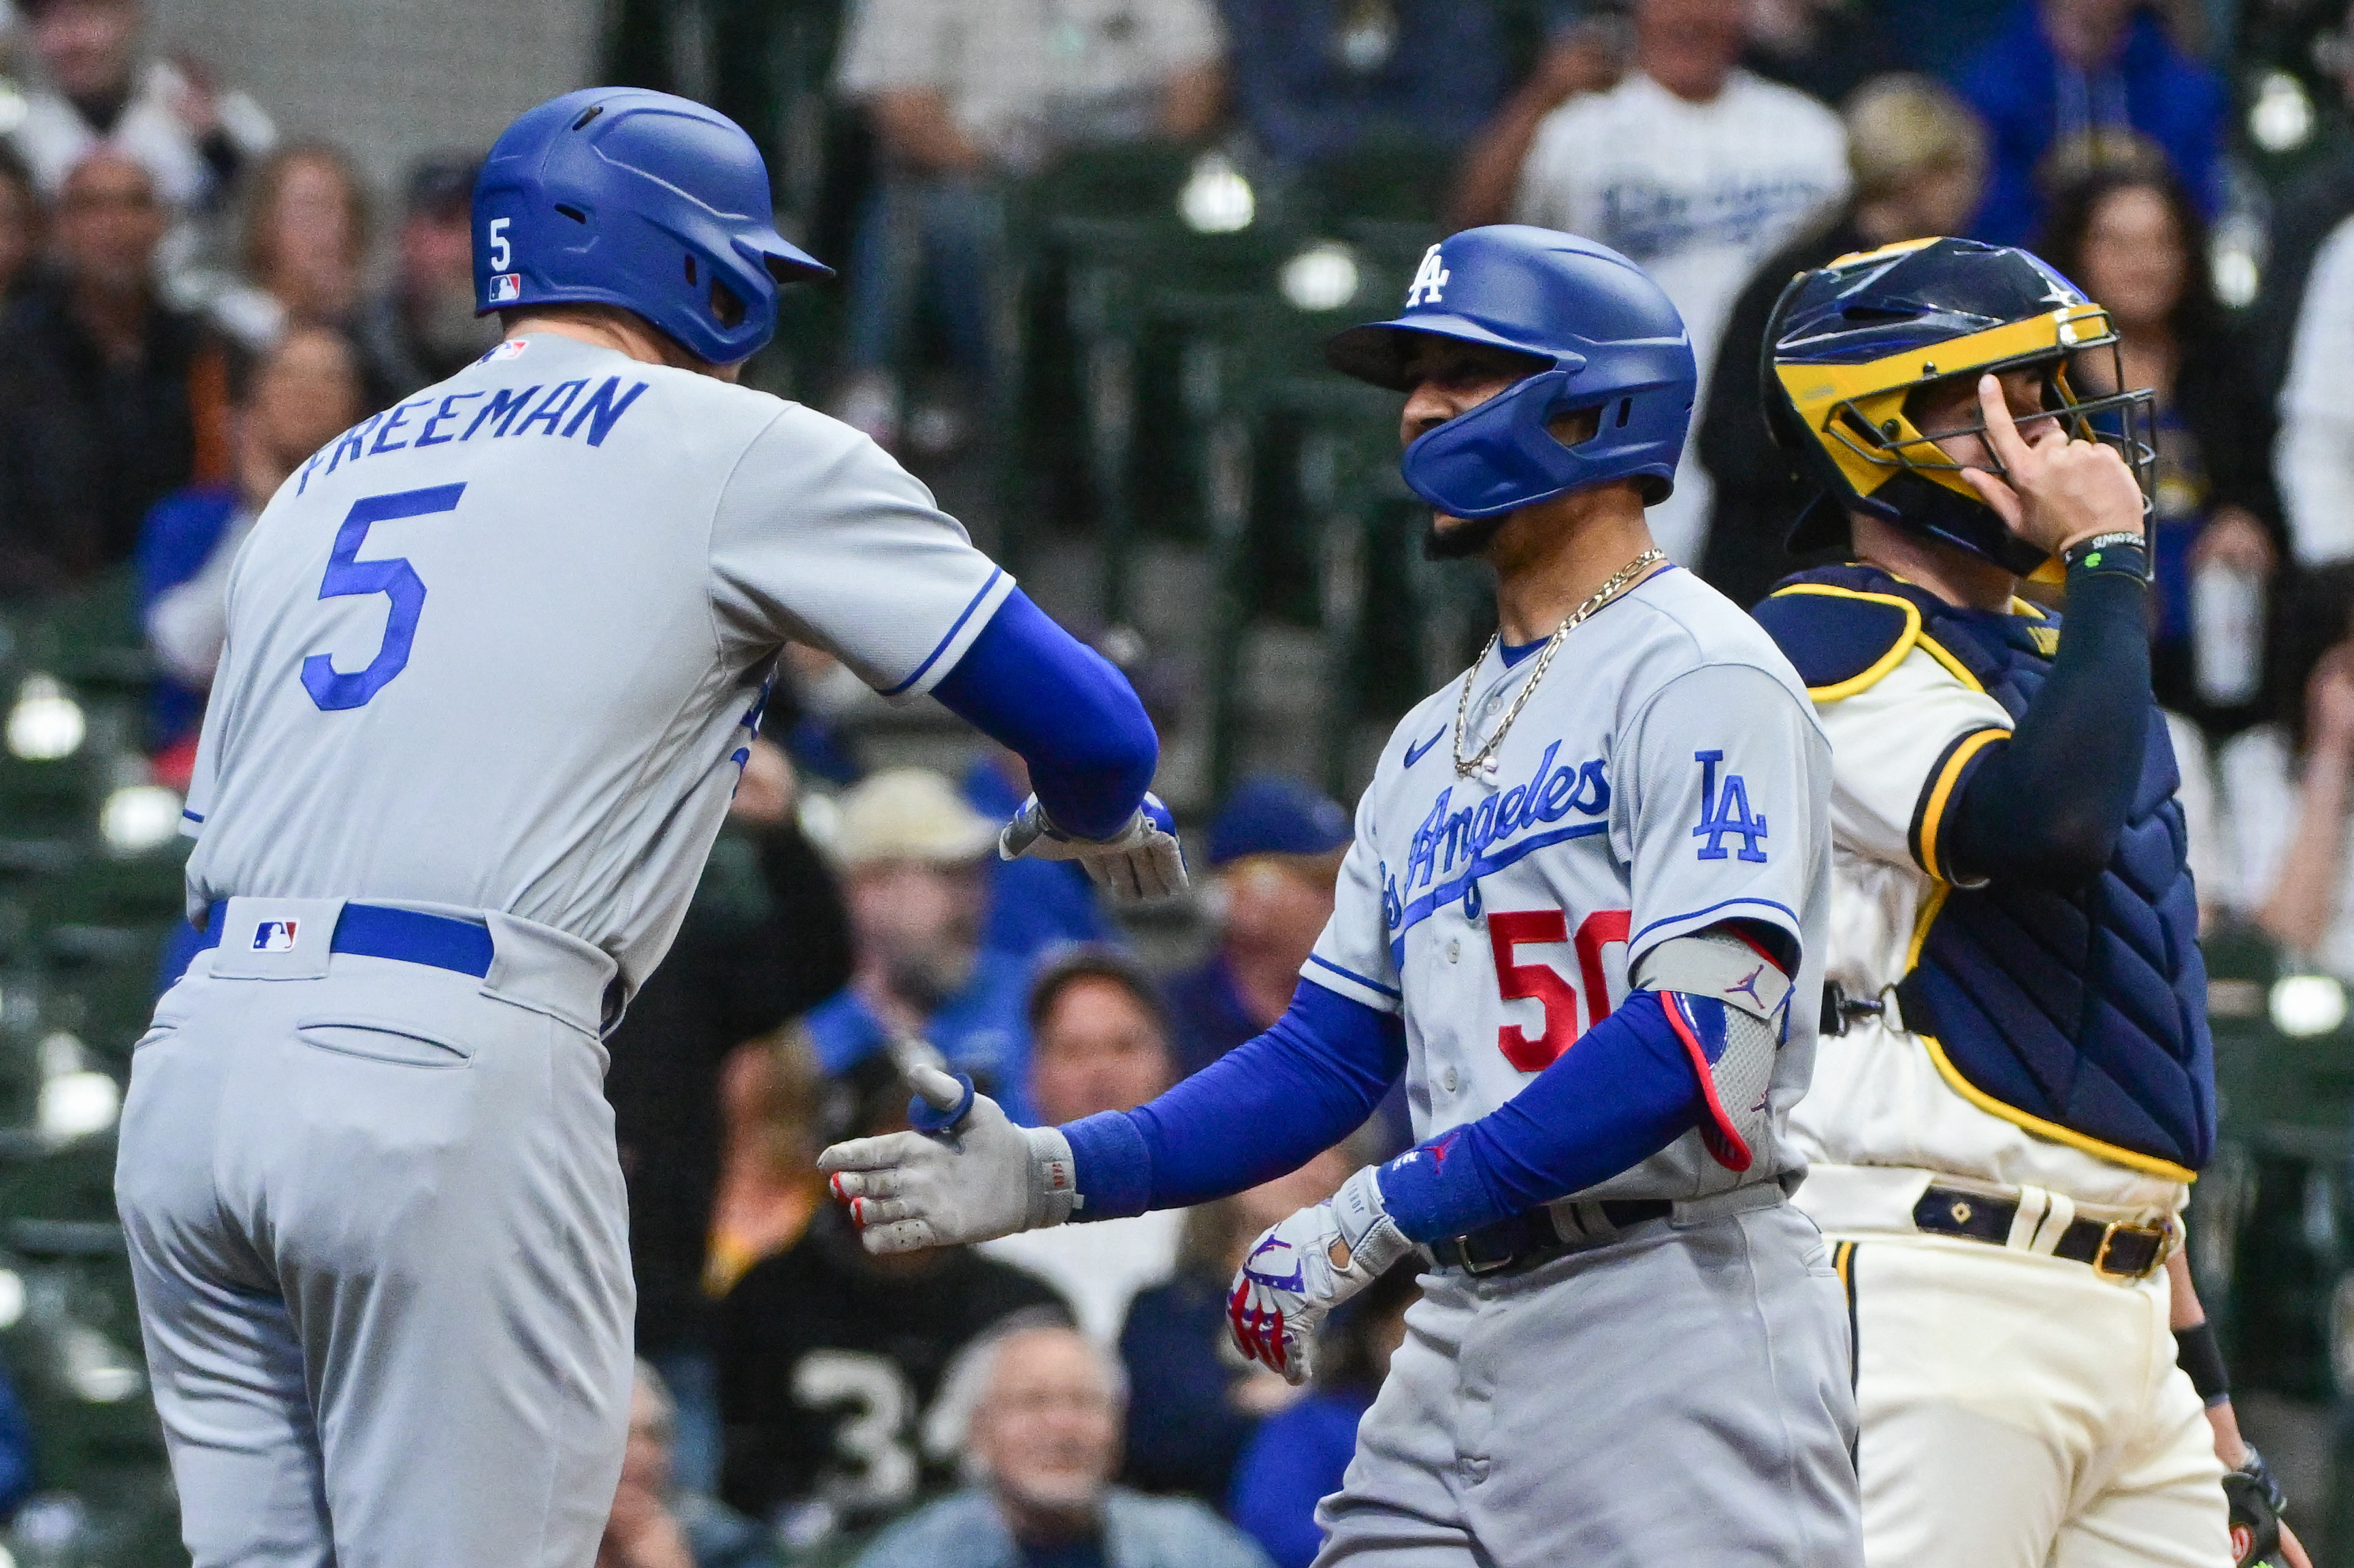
[1450, 1080]
[1453, 949]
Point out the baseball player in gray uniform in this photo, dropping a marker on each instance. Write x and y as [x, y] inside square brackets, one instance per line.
[494, 659]
[1587, 882]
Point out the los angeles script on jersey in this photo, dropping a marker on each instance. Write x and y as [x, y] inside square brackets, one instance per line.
[1494, 833]
[503, 410]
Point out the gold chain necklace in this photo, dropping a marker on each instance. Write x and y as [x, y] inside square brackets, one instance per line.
[1617, 583]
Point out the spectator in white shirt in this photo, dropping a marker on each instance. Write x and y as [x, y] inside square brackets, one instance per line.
[1099, 1042]
[102, 89]
[963, 93]
[2313, 460]
[2288, 787]
[1693, 167]
[192, 135]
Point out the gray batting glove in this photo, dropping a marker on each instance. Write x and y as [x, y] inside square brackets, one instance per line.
[1303, 1267]
[973, 1178]
[1141, 861]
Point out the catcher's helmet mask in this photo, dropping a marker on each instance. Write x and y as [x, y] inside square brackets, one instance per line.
[1852, 344]
[2060, 405]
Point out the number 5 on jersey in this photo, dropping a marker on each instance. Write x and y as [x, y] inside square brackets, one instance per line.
[392, 576]
[1541, 983]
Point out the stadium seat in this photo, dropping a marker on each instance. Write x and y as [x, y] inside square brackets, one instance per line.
[1392, 179]
[2270, 1241]
[72, 1351]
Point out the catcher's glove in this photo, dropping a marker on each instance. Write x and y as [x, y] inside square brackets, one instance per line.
[2257, 1503]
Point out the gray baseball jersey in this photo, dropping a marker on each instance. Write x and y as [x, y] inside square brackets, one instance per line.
[501, 647]
[1666, 775]
[497, 651]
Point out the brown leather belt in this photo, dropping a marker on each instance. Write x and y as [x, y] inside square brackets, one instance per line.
[2114, 1249]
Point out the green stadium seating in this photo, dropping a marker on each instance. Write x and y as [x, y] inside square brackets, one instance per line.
[70, 1338]
[1392, 179]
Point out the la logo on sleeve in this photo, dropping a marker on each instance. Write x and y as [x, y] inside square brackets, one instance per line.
[1727, 814]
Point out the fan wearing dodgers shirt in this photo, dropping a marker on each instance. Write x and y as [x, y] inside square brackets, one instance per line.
[495, 660]
[1585, 883]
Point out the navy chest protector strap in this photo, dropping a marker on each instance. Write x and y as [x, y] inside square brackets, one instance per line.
[2079, 1014]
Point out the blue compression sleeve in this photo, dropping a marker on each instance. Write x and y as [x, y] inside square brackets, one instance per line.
[1265, 1108]
[1626, 1090]
[1058, 705]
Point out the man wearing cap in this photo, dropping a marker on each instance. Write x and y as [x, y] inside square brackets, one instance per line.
[1274, 850]
[913, 858]
[420, 328]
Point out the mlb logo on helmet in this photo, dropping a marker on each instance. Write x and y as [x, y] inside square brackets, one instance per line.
[275, 936]
[504, 287]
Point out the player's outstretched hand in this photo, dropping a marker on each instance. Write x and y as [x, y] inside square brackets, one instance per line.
[2054, 491]
[970, 1175]
[1302, 1268]
[1141, 861]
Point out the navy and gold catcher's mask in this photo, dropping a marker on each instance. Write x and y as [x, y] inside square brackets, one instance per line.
[1850, 344]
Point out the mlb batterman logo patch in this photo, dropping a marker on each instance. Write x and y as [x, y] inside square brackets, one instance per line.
[504, 287]
[275, 936]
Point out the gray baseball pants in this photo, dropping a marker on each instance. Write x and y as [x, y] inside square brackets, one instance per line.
[380, 1240]
[1680, 1394]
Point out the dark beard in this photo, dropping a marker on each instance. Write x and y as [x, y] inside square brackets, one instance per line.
[927, 979]
[1469, 538]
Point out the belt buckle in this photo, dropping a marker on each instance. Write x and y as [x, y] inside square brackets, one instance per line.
[1474, 1268]
[2109, 1233]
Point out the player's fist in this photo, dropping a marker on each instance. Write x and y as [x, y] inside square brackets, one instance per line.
[1302, 1268]
[1141, 861]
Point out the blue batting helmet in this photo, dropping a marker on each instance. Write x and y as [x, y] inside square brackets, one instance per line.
[616, 195]
[1612, 342]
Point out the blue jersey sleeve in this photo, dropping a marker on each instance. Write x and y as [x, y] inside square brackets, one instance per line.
[1264, 1108]
[1626, 1090]
[1060, 706]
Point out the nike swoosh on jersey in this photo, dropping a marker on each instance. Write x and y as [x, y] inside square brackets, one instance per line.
[1415, 754]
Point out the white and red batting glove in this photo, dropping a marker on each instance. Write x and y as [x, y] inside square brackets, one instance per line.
[1302, 1268]
[968, 1174]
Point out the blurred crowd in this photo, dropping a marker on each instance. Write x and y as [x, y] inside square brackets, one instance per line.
[196, 302]
[864, 1409]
